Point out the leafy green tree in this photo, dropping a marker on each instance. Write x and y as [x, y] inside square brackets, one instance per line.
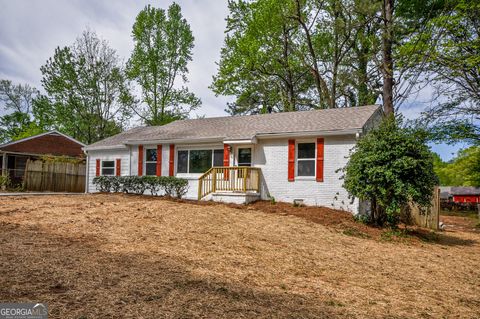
[88, 95]
[163, 47]
[16, 105]
[447, 52]
[258, 65]
[295, 55]
[464, 170]
[390, 167]
[300, 54]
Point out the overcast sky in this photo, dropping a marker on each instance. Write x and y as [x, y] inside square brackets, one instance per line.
[31, 30]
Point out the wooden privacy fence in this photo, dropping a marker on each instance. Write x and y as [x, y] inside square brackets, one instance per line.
[54, 176]
[428, 217]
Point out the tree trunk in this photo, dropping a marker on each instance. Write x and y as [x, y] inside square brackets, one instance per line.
[387, 67]
[319, 83]
[362, 79]
[336, 54]
[289, 78]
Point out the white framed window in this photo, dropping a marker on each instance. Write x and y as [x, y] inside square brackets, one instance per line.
[306, 159]
[245, 156]
[151, 161]
[198, 161]
[108, 168]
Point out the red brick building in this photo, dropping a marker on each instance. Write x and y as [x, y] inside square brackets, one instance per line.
[14, 155]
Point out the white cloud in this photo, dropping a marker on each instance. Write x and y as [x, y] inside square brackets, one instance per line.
[31, 30]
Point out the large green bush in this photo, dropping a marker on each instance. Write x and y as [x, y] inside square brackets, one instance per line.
[168, 185]
[391, 166]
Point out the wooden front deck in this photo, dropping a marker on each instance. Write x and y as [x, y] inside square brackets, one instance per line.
[229, 179]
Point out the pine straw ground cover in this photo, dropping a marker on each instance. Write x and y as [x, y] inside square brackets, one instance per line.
[119, 256]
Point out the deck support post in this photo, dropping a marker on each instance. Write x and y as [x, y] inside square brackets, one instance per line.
[245, 180]
[214, 180]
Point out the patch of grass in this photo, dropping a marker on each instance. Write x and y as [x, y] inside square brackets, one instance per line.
[272, 200]
[364, 219]
[355, 233]
[406, 233]
[391, 234]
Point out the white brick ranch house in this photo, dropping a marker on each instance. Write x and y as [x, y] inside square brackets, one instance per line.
[288, 156]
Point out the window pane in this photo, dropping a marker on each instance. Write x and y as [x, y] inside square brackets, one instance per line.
[151, 169]
[306, 168]
[151, 155]
[218, 158]
[107, 171]
[182, 161]
[244, 157]
[306, 150]
[108, 164]
[200, 161]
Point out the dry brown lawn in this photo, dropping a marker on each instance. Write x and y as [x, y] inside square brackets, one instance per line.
[119, 256]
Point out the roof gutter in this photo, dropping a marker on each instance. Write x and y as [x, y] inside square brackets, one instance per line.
[109, 147]
[309, 133]
[175, 141]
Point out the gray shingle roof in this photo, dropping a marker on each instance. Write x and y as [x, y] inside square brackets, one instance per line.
[465, 190]
[249, 126]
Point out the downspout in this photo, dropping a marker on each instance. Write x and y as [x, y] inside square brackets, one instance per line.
[87, 172]
[130, 160]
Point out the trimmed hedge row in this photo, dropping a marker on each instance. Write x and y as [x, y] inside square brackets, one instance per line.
[169, 185]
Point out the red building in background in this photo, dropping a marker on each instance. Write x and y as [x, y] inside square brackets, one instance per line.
[465, 194]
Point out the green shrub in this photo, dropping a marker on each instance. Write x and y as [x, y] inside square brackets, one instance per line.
[391, 166]
[176, 187]
[116, 184]
[179, 186]
[4, 181]
[103, 183]
[154, 184]
[272, 200]
[136, 184]
[170, 186]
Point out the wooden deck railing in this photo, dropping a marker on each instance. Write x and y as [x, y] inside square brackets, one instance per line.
[234, 179]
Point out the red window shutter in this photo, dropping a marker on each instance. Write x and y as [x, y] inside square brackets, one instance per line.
[140, 160]
[118, 167]
[320, 156]
[291, 160]
[159, 160]
[226, 161]
[172, 160]
[97, 168]
[226, 155]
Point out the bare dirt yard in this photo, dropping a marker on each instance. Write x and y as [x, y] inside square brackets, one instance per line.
[120, 256]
